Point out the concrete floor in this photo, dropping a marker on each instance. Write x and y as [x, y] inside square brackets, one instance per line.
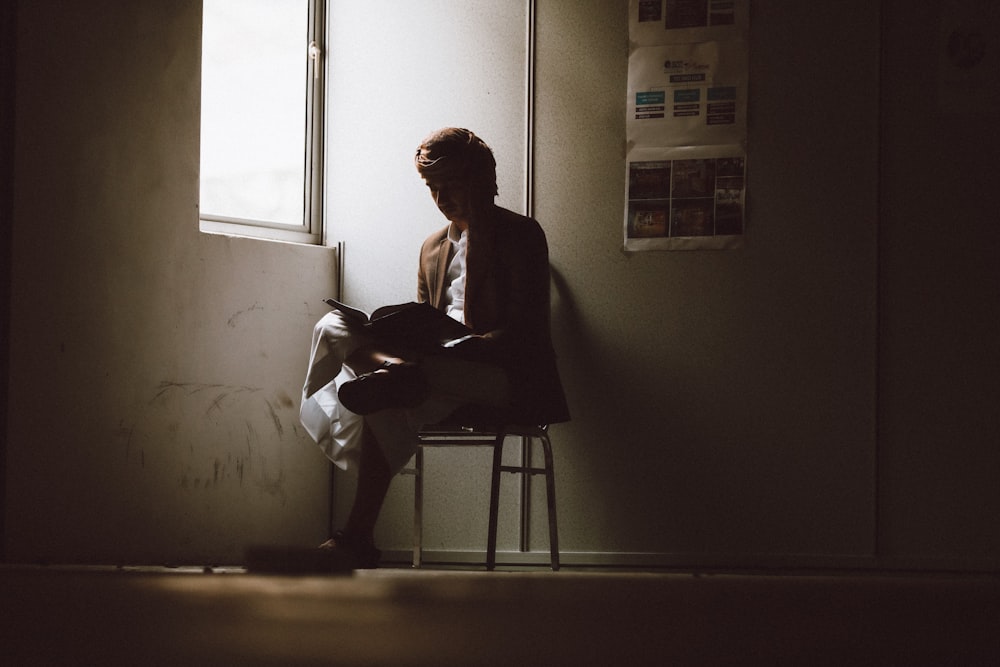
[111, 616]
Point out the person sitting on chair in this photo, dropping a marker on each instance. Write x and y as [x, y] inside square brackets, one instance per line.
[489, 269]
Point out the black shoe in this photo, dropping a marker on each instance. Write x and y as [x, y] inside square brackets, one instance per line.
[349, 549]
[392, 386]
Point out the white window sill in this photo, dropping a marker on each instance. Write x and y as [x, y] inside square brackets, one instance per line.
[288, 235]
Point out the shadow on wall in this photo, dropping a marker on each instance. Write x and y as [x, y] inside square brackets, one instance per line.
[607, 380]
[628, 422]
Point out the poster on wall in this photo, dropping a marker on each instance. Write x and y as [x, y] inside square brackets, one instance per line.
[686, 125]
[685, 198]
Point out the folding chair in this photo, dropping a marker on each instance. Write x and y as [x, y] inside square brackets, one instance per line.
[495, 437]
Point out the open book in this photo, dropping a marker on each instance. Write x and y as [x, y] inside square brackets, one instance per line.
[417, 324]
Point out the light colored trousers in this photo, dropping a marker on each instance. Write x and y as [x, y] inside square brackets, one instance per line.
[453, 383]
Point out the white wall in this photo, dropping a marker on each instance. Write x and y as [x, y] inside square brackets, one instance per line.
[766, 406]
[398, 74]
[155, 371]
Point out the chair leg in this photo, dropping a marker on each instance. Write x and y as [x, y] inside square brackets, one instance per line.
[418, 508]
[491, 541]
[550, 495]
[525, 483]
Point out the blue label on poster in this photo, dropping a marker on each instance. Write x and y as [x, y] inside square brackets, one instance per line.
[722, 93]
[652, 97]
[687, 95]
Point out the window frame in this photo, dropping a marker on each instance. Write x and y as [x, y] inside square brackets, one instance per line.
[312, 229]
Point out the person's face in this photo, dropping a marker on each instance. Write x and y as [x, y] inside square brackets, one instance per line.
[453, 198]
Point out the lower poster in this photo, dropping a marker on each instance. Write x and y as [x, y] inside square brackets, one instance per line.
[685, 198]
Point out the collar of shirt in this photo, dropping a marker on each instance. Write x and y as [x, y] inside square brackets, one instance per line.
[456, 235]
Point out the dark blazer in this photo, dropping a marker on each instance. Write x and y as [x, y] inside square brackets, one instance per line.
[507, 301]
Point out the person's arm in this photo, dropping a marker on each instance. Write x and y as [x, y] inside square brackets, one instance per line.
[522, 317]
[526, 309]
[423, 290]
[427, 263]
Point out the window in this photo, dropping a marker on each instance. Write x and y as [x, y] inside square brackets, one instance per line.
[262, 118]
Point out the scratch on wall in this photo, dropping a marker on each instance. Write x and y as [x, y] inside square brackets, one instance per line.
[277, 420]
[251, 437]
[274, 486]
[126, 434]
[284, 400]
[216, 403]
[221, 472]
[191, 388]
[231, 322]
[223, 406]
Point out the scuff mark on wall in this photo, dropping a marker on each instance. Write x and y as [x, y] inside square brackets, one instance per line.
[225, 435]
[236, 470]
[190, 388]
[250, 438]
[284, 400]
[275, 418]
[125, 434]
[274, 486]
[216, 403]
[231, 322]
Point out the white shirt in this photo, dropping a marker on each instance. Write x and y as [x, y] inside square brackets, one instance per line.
[455, 294]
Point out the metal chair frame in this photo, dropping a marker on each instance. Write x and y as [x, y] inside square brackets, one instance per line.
[495, 438]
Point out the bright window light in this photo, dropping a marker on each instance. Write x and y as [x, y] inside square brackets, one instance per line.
[260, 89]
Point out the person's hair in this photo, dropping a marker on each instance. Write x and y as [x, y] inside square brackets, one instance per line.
[455, 152]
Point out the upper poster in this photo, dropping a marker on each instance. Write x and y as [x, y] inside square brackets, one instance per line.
[657, 22]
[686, 124]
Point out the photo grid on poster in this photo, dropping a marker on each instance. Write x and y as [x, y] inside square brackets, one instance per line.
[700, 197]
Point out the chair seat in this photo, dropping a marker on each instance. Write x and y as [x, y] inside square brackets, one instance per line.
[462, 433]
